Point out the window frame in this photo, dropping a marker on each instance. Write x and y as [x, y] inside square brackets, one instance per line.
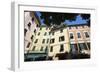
[61, 48]
[61, 38]
[78, 35]
[71, 35]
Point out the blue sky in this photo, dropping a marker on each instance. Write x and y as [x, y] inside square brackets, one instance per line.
[78, 20]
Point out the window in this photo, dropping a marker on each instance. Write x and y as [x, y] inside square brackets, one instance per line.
[47, 40]
[87, 34]
[71, 36]
[33, 49]
[74, 48]
[29, 25]
[61, 30]
[32, 19]
[25, 30]
[32, 37]
[43, 41]
[46, 49]
[52, 33]
[88, 45]
[45, 33]
[79, 35]
[51, 49]
[61, 38]
[35, 31]
[28, 45]
[37, 25]
[36, 41]
[41, 48]
[38, 33]
[82, 46]
[40, 28]
[61, 48]
[52, 40]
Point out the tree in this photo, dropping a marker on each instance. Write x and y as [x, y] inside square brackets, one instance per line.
[86, 16]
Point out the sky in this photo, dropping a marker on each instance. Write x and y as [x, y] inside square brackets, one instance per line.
[78, 20]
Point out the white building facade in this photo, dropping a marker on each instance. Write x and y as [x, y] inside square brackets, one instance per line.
[30, 27]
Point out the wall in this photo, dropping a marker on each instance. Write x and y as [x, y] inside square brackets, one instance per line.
[5, 36]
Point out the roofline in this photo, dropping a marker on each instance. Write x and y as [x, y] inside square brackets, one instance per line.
[78, 25]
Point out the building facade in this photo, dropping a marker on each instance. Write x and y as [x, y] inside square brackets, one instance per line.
[31, 24]
[55, 42]
[51, 41]
[79, 36]
[59, 42]
[41, 40]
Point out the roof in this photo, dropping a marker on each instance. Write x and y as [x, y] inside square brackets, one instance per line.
[44, 26]
[55, 27]
[58, 27]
